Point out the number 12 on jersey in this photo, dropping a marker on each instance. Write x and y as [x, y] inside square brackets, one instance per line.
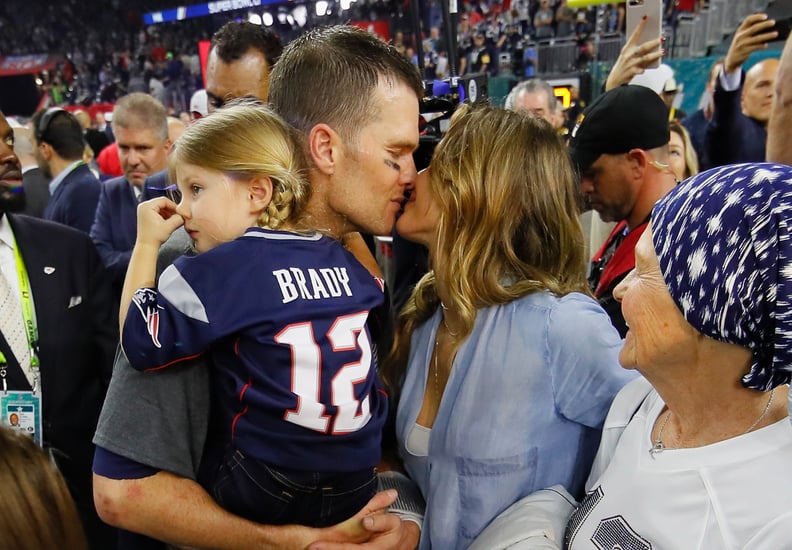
[347, 333]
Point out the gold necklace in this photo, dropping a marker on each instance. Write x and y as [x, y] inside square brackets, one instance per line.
[659, 447]
[445, 323]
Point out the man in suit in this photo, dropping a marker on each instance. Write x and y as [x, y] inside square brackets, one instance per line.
[35, 183]
[74, 189]
[70, 331]
[140, 124]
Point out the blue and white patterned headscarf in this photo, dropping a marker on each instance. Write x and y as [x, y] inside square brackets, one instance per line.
[723, 240]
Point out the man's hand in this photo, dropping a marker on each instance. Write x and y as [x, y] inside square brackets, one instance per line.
[371, 529]
[751, 36]
[634, 58]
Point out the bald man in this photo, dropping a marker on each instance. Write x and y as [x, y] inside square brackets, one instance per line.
[737, 131]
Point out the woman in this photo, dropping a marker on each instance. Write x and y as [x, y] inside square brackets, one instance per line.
[696, 455]
[682, 158]
[36, 510]
[504, 364]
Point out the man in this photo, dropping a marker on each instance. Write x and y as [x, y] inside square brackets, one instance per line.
[737, 131]
[141, 129]
[361, 154]
[65, 323]
[620, 148]
[240, 59]
[696, 123]
[535, 97]
[35, 183]
[74, 189]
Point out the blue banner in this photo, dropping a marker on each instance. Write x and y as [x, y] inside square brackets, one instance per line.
[199, 10]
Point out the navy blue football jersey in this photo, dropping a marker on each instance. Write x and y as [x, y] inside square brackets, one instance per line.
[284, 316]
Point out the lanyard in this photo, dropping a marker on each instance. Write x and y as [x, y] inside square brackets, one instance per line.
[29, 316]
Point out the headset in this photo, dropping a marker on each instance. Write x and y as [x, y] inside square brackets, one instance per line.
[45, 121]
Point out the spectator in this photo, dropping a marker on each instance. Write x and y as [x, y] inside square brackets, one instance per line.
[37, 509]
[696, 122]
[141, 130]
[480, 57]
[737, 131]
[564, 19]
[59, 336]
[543, 21]
[621, 152]
[778, 149]
[74, 190]
[535, 97]
[681, 155]
[35, 183]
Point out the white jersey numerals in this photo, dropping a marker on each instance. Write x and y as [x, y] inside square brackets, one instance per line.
[347, 333]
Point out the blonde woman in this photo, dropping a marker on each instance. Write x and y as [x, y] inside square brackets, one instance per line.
[37, 510]
[281, 310]
[682, 157]
[504, 364]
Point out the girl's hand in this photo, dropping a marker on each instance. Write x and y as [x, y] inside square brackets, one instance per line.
[157, 219]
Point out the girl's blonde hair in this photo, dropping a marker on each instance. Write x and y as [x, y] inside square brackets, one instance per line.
[508, 224]
[246, 139]
[37, 510]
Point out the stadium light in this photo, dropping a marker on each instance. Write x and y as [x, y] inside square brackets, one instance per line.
[254, 18]
[300, 14]
[267, 19]
[321, 8]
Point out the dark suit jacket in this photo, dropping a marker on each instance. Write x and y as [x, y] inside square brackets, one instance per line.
[78, 332]
[115, 227]
[37, 193]
[74, 200]
[731, 136]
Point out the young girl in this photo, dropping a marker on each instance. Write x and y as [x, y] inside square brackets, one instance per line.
[282, 313]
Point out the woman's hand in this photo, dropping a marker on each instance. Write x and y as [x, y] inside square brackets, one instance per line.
[157, 219]
[634, 59]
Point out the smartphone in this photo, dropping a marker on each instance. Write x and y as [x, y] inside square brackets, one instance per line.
[653, 10]
[782, 13]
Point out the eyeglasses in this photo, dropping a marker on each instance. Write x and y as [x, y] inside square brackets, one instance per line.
[45, 121]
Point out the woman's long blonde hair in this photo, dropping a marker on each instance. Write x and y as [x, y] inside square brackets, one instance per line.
[246, 139]
[36, 510]
[508, 223]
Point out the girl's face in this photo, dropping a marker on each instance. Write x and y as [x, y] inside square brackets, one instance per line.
[216, 207]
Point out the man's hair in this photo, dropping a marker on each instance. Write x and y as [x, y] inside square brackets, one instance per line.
[533, 86]
[328, 75]
[62, 132]
[235, 39]
[139, 111]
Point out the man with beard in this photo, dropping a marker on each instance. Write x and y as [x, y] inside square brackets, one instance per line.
[74, 189]
[57, 336]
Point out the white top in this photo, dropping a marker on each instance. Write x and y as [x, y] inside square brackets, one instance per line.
[732, 494]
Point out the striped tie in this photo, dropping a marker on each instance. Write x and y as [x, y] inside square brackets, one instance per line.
[12, 324]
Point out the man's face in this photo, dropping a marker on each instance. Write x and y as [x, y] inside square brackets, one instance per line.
[608, 188]
[373, 173]
[141, 152]
[41, 160]
[248, 76]
[12, 196]
[535, 104]
[757, 95]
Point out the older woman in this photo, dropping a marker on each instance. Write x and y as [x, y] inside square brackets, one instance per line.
[697, 454]
[505, 365]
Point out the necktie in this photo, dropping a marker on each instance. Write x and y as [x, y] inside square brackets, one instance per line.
[12, 325]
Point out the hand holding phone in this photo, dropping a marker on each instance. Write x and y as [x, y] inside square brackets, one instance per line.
[635, 57]
[752, 35]
[648, 15]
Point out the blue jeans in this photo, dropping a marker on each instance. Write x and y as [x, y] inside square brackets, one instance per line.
[275, 496]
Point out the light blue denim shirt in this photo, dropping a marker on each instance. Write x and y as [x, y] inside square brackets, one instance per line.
[523, 408]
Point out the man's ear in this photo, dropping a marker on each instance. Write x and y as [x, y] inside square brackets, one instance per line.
[260, 193]
[639, 162]
[322, 148]
[46, 150]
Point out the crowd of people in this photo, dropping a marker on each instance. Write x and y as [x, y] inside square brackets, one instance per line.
[208, 349]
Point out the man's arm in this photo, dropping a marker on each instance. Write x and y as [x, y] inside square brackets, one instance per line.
[116, 261]
[778, 146]
[178, 511]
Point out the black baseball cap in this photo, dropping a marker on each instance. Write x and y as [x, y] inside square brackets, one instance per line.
[625, 118]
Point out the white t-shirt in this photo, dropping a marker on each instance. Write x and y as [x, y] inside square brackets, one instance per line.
[729, 495]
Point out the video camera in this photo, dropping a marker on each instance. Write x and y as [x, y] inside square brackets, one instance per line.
[441, 98]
